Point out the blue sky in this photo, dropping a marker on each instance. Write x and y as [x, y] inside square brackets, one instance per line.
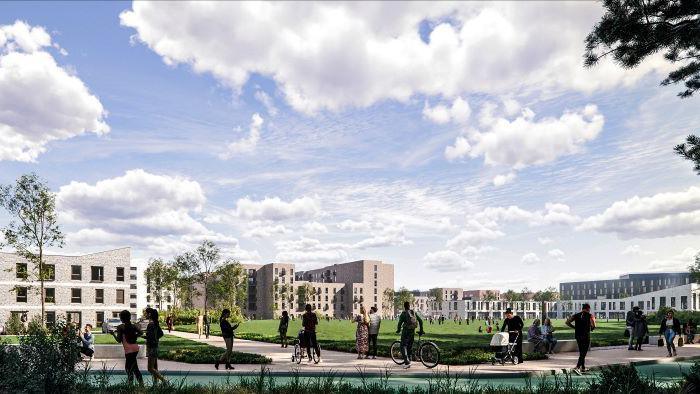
[455, 141]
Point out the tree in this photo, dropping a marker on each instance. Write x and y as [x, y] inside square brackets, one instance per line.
[160, 277]
[230, 286]
[304, 293]
[401, 296]
[200, 265]
[690, 150]
[490, 296]
[632, 30]
[543, 296]
[695, 269]
[33, 227]
[435, 297]
[388, 301]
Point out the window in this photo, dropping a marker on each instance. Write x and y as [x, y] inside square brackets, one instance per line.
[99, 318]
[99, 296]
[76, 296]
[375, 283]
[120, 296]
[21, 270]
[76, 272]
[132, 277]
[132, 306]
[21, 294]
[97, 274]
[673, 302]
[662, 302]
[49, 272]
[50, 295]
[684, 302]
[132, 286]
[50, 318]
[132, 296]
[120, 274]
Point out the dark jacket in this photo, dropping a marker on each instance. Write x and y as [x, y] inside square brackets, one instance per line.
[640, 328]
[309, 321]
[226, 328]
[153, 334]
[629, 321]
[515, 323]
[676, 326]
[582, 323]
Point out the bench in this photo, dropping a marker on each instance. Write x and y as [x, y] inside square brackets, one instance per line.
[563, 345]
[114, 351]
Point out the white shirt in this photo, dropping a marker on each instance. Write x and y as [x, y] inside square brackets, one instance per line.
[374, 322]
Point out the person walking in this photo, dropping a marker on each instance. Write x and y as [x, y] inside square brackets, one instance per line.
[169, 321]
[87, 341]
[283, 327]
[200, 325]
[375, 323]
[153, 335]
[548, 334]
[362, 333]
[670, 327]
[227, 332]
[127, 334]
[207, 325]
[309, 321]
[582, 323]
[629, 326]
[641, 329]
[408, 322]
[690, 331]
[513, 324]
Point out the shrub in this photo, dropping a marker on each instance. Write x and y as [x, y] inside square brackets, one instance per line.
[189, 316]
[14, 326]
[209, 354]
[621, 379]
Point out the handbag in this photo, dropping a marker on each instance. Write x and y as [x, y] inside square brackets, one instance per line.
[680, 341]
[627, 333]
[660, 342]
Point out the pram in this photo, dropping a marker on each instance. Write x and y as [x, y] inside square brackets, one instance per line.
[503, 348]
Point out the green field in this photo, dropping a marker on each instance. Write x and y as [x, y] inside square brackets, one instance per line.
[459, 344]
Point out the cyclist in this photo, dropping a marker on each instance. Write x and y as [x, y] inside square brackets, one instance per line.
[408, 322]
[309, 322]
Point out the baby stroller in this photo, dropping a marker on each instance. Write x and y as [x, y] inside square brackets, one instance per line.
[503, 348]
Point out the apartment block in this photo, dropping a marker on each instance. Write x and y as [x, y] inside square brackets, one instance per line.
[83, 289]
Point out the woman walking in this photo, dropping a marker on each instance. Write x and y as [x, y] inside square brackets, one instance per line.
[127, 334]
[640, 329]
[153, 335]
[169, 323]
[227, 334]
[362, 333]
[282, 329]
[670, 327]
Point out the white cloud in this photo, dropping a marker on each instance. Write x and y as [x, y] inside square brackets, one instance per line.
[446, 261]
[634, 250]
[557, 254]
[262, 231]
[679, 262]
[511, 106]
[474, 233]
[458, 112]
[354, 225]
[274, 209]
[385, 235]
[530, 258]
[266, 101]
[311, 251]
[501, 180]
[526, 141]
[247, 144]
[40, 100]
[545, 240]
[315, 228]
[333, 55]
[661, 215]
[552, 214]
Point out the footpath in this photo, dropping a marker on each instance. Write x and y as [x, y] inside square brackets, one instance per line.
[348, 364]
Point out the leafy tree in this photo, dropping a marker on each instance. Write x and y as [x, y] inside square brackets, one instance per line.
[543, 296]
[200, 265]
[388, 301]
[690, 150]
[33, 227]
[304, 293]
[435, 297]
[160, 278]
[401, 296]
[230, 286]
[695, 269]
[632, 30]
[490, 296]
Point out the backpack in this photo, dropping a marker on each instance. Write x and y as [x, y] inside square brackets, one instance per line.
[412, 322]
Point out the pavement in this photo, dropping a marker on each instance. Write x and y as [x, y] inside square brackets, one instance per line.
[349, 365]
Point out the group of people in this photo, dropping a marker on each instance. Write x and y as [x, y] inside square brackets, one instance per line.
[128, 333]
[637, 328]
[542, 336]
[309, 321]
[367, 332]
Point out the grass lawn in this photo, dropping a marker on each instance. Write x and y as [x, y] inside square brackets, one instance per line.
[178, 349]
[459, 344]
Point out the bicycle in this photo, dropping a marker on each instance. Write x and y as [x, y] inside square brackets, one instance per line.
[428, 353]
[299, 346]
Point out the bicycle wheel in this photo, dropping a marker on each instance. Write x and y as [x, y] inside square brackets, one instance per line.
[297, 354]
[429, 354]
[395, 351]
[316, 356]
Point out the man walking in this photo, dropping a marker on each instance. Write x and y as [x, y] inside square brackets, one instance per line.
[309, 321]
[374, 323]
[582, 323]
[629, 323]
[408, 321]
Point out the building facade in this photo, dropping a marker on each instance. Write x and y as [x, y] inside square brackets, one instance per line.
[82, 289]
[625, 286]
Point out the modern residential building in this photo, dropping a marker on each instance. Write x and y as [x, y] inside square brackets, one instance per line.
[83, 289]
[474, 304]
[625, 286]
[335, 291]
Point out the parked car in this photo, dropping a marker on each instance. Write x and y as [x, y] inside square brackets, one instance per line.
[142, 323]
[110, 325]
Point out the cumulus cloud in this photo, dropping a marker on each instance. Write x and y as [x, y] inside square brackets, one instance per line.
[557, 254]
[527, 141]
[266, 101]
[333, 55]
[678, 262]
[41, 101]
[247, 144]
[310, 251]
[354, 225]
[446, 261]
[634, 250]
[275, 209]
[315, 228]
[530, 258]
[501, 180]
[661, 215]
[545, 240]
[458, 112]
[474, 233]
[262, 231]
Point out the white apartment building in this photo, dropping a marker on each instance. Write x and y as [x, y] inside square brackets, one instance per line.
[83, 289]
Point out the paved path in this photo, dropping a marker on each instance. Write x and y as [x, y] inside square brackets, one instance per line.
[347, 363]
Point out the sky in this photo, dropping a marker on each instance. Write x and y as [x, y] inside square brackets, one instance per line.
[465, 143]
